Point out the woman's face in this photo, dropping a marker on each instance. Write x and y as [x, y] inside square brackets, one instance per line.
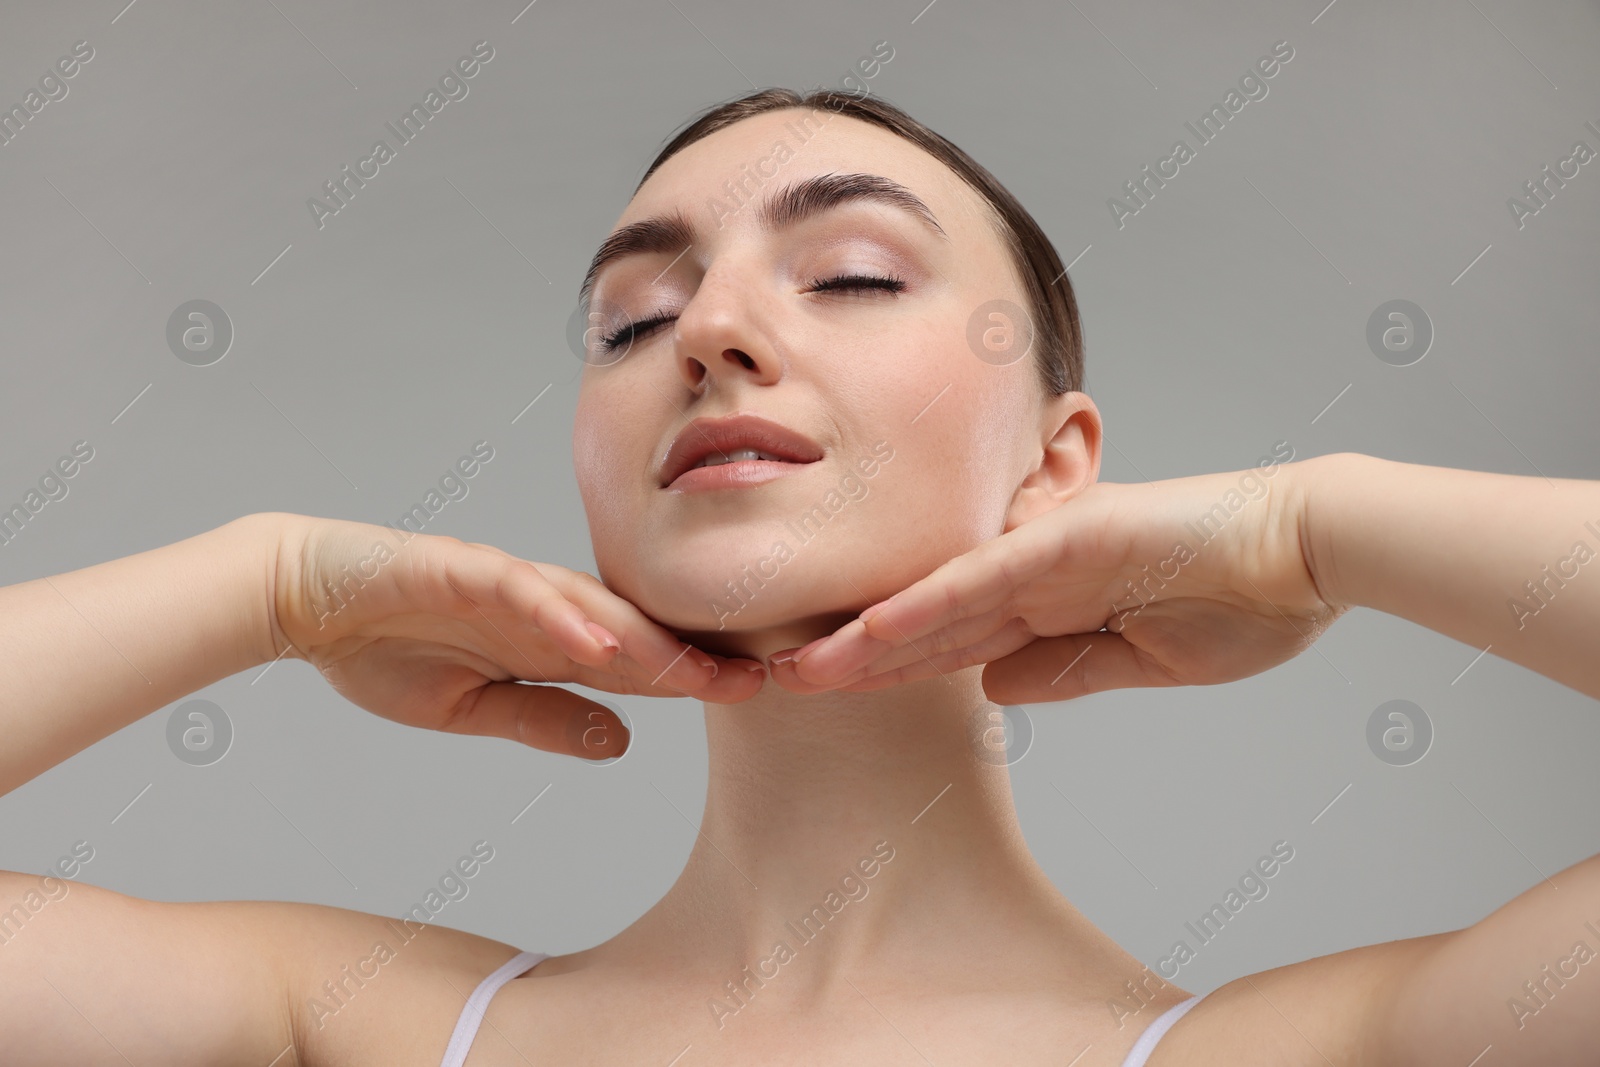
[922, 444]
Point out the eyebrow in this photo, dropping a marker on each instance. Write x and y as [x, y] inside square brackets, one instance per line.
[792, 204]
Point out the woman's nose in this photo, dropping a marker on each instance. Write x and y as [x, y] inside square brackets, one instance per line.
[722, 333]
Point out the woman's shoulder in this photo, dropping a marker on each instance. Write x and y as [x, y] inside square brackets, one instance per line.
[193, 982]
[1324, 1010]
[364, 988]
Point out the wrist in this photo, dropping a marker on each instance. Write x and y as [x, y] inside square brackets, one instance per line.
[253, 543]
[1327, 508]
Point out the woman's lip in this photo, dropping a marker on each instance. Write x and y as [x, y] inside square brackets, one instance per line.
[740, 474]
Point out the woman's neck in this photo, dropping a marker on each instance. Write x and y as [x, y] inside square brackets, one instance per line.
[855, 827]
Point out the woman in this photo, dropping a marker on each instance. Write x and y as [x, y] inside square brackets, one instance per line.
[846, 306]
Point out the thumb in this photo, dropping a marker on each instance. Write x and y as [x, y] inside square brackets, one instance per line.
[1073, 665]
[546, 717]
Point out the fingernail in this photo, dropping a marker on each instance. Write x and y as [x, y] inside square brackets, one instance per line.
[705, 661]
[875, 609]
[780, 657]
[805, 649]
[754, 668]
[603, 635]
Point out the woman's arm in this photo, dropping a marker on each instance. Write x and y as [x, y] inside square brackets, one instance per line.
[1215, 577]
[88, 975]
[88, 652]
[1506, 562]
[434, 633]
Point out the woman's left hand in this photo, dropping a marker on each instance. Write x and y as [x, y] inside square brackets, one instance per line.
[1120, 586]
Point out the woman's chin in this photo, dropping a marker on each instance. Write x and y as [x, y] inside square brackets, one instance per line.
[759, 643]
[755, 628]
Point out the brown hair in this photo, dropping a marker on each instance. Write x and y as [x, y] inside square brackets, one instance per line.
[1058, 336]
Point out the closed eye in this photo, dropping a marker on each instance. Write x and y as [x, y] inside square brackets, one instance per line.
[857, 281]
[631, 332]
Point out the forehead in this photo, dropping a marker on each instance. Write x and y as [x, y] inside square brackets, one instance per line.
[717, 181]
[814, 140]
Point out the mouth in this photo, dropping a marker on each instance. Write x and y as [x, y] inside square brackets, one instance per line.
[738, 450]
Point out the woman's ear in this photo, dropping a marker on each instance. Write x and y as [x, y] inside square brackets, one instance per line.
[1069, 463]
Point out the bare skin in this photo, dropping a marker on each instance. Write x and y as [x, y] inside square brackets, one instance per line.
[143, 972]
[962, 951]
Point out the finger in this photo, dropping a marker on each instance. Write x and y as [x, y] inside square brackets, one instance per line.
[662, 659]
[971, 584]
[541, 716]
[1074, 665]
[590, 624]
[659, 660]
[910, 664]
[670, 661]
[958, 634]
[494, 581]
[623, 675]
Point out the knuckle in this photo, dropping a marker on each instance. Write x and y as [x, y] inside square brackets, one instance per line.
[954, 607]
[500, 593]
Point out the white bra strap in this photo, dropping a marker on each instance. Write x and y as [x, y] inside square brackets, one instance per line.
[455, 1054]
[1147, 1041]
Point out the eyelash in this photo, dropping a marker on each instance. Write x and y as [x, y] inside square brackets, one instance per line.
[843, 282]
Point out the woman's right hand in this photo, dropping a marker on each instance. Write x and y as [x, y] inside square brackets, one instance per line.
[436, 633]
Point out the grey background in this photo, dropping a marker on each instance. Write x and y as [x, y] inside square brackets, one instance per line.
[1227, 315]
